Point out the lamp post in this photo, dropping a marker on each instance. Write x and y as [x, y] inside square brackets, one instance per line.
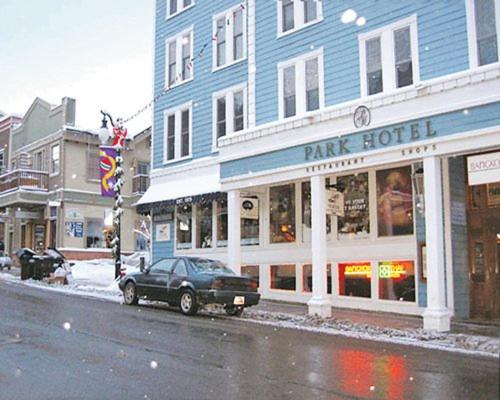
[119, 134]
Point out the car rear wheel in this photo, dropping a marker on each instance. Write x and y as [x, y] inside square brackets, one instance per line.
[130, 294]
[234, 311]
[188, 303]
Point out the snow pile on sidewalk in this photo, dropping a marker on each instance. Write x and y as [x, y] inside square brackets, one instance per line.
[469, 344]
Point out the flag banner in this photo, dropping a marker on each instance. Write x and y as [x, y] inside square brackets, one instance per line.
[107, 167]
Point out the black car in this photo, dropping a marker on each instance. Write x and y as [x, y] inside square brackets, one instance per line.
[189, 282]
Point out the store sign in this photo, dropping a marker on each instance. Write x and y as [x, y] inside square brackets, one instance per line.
[363, 270]
[391, 270]
[484, 168]
[334, 203]
[249, 208]
[73, 213]
[27, 215]
[163, 217]
[163, 232]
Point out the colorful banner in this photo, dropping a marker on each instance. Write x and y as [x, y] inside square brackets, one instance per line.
[107, 166]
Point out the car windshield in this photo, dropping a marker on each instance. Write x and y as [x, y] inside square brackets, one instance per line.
[210, 266]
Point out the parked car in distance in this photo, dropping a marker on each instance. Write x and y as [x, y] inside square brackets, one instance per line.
[190, 282]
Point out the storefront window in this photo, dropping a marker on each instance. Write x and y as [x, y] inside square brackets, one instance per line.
[307, 278]
[283, 277]
[184, 221]
[204, 225]
[95, 236]
[221, 210]
[395, 202]
[306, 213]
[355, 279]
[249, 221]
[396, 280]
[356, 219]
[282, 213]
[251, 271]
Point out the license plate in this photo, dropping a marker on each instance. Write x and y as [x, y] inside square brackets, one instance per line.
[239, 300]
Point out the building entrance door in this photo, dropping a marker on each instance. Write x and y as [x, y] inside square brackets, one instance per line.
[484, 250]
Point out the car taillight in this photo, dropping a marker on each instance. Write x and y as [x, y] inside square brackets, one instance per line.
[217, 284]
[254, 285]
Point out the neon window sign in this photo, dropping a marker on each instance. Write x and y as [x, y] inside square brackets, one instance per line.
[363, 270]
[392, 270]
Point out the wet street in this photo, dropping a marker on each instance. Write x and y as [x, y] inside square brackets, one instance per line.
[54, 346]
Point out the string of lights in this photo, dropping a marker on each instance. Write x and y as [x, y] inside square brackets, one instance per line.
[179, 76]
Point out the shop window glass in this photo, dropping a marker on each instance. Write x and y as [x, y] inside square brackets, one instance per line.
[356, 219]
[95, 234]
[283, 277]
[204, 225]
[394, 202]
[184, 227]
[486, 32]
[396, 280]
[282, 213]
[306, 213]
[355, 279]
[249, 221]
[251, 271]
[307, 278]
[221, 207]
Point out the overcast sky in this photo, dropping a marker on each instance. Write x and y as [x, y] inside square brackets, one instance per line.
[96, 51]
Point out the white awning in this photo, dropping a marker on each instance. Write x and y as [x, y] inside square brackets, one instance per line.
[180, 186]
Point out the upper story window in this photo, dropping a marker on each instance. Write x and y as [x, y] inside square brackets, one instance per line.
[229, 111]
[178, 128]
[295, 14]
[175, 7]
[55, 162]
[229, 37]
[483, 28]
[93, 161]
[389, 57]
[179, 53]
[300, 83]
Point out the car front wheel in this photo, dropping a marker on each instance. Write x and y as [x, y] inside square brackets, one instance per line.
[130, 294]
[188, 304]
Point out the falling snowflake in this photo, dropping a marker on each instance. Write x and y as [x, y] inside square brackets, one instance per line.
[153, 364]
[67, 326]
[372, 388]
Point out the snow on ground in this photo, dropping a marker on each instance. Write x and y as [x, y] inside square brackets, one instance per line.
[95, 278]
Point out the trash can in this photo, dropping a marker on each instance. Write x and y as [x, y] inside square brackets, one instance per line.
[25, 257]
[43, 266]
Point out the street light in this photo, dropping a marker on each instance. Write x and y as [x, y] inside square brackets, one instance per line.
[119, 135]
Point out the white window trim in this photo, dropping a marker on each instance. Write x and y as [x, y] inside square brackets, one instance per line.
[180, 8]
[300, 83]
[55, 173]
[177, 111]
[228, 93]
[229, 38]
[178, 56]
[386, 34]
[298, 15]
[472, 35]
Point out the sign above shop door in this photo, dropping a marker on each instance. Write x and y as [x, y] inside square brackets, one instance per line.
[484, 168]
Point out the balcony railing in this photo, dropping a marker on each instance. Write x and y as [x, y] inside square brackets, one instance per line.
[140, 184]
[24, 178]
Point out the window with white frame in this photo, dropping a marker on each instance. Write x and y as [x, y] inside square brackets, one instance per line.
[389, 57]
[300, 84]
[55, 155]
[179, 53]
[175, 7]
[296, 14]
[483, 26]
[178, 128]
[229, 37]
[229, 111]
[2, 159]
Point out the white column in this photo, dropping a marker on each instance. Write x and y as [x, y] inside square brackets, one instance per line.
[320, 303]
[436, 315]
[234, 231]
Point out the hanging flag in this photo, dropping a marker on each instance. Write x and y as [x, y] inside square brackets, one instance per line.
[107, 167]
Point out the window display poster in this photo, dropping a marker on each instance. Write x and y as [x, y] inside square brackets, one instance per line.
[74, 229]
[394, 202]
[162, 232]
[334, 203]
[356, 218]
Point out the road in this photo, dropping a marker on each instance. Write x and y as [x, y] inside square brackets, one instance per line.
[55, 346]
